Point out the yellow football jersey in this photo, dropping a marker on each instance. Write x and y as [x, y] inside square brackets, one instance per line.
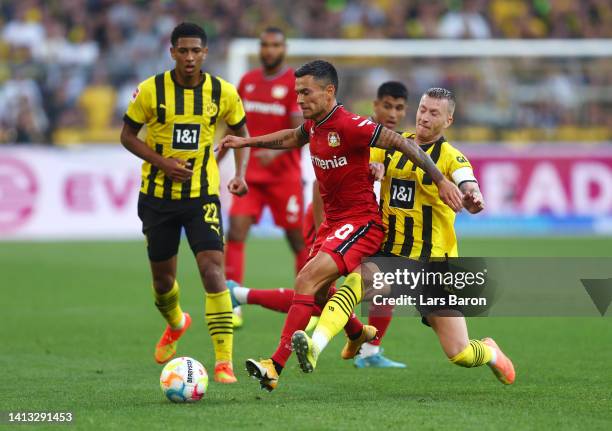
[181, 123]
[418, 224]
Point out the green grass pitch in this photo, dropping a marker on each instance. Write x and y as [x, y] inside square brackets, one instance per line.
[78, 328]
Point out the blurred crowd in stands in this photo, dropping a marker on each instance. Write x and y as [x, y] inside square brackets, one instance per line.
[69, 67]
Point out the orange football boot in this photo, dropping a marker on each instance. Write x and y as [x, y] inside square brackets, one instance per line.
[224, 372]
[166, 346]
[503, 368]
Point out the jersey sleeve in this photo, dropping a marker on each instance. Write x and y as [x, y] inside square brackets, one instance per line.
[377, 155]
[139, 108]
[457, 167]
[362, 132]
[232, 111]
[305, 128]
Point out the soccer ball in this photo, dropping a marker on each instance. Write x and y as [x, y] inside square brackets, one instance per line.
[184, 380]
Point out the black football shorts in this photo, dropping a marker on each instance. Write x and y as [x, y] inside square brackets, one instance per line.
[164, 219]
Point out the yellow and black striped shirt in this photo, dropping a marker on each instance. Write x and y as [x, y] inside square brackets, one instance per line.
[418, 224]
[181, 123]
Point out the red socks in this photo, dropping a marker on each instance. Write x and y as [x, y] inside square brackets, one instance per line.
[273, 299]
[380, 317]
[297, 319]
[234, 261]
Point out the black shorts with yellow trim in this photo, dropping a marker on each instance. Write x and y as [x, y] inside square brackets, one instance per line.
[433, 297]
[163, 221]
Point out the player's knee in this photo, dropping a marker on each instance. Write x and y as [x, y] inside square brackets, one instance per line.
[212, 277]
[239, 230]
[305, 283]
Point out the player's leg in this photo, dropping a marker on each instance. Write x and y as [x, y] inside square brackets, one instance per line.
[453, 336]
[286, 202]
[245, 211]
[234, 253]
[204, 230]
[347, 245]
[162, 232]
[318, 273]
[295, 239]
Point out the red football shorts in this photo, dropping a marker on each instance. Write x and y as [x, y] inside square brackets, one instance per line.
[348, 242]
[286, 202]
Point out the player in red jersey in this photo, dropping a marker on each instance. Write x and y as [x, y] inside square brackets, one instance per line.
[389, 109]
[274, 177]
[339, 147]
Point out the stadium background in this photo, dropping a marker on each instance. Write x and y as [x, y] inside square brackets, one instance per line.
[537, 128]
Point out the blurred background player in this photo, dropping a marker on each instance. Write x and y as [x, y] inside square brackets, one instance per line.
[389, 109]
[180, 186]
[274, 177]
[420, 226]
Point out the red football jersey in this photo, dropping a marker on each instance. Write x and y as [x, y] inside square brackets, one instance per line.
[269, 103]
[340, 153]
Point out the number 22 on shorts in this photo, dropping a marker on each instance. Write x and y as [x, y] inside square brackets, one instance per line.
[211, 216]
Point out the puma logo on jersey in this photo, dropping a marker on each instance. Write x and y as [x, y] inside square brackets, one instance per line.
[336, 162]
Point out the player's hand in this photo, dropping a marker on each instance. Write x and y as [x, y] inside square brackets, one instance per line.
[237, 186]
[231, 141]
[450, 195]
[377, 170]
[473, 201]
[266, 156]
[176, 169]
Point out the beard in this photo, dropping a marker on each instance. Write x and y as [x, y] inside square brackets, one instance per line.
[273, 64]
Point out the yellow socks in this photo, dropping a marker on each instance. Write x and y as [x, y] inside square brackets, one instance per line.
[474, 355]
[218, 311]
[168, 306]
[337, 311]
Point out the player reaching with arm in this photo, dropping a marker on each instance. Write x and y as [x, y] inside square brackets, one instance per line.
[389, 109]
[180, 186]
[339, 147]
[419, 226]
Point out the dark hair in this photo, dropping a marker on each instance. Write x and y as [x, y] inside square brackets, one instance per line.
[395, 89]
[274, 30]
[321, 70]
[443, 93]
[188, 29]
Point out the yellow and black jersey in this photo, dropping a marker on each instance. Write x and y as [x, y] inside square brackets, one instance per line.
[418, 224]
[181, 123]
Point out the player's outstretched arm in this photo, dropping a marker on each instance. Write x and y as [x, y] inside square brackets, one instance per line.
[238, 185]
[472, 198]
[175, 169]
[448, 191]
[283, 139]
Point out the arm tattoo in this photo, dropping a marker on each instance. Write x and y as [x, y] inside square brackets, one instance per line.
[287, 140]
[276, 143]
[392, 140]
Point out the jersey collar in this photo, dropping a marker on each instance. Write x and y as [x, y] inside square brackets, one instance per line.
[173, 76]
[428, 146]
[328, 116]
